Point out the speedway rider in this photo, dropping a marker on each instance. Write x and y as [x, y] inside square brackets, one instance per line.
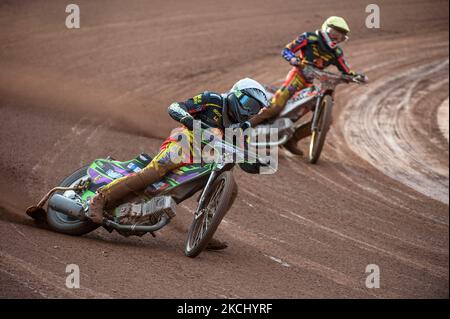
[321, 49]
[234, 109]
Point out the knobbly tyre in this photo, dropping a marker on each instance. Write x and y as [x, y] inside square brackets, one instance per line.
[319, 99]
[153, 209]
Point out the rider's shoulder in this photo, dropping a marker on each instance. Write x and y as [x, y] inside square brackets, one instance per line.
[212, 97]
[310, 36]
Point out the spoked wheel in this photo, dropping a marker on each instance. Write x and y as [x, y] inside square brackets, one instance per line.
[323, 125]
[215, 207]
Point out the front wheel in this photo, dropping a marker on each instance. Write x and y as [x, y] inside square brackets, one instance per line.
[323, 125]
[222, 194]
[65, 224]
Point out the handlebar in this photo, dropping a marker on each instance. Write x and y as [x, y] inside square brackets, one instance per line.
[241, 153]
[317, 73]
[231, 149]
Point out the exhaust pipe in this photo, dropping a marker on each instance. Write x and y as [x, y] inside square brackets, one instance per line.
[139, 228]
[67, 207]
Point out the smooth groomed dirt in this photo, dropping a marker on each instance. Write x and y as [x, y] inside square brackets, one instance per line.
[379, 194]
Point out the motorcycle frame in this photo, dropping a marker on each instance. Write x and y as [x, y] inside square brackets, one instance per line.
[327, 85]
[220, 165]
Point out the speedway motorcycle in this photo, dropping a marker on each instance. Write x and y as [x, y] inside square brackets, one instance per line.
[317, 98]
[68, 203]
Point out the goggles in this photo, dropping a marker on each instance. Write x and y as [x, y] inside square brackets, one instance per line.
[249, 105]
[337, 35]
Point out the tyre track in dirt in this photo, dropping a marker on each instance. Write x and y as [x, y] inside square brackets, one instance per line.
[381, 129]
[308, 231]
[442, 118]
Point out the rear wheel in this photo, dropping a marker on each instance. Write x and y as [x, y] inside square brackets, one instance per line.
[223, 192]
[323, 125]
[65, 224]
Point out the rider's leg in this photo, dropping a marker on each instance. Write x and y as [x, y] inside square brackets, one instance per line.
[293, 83]
[301, 132]
[164, 162]
[109, 195]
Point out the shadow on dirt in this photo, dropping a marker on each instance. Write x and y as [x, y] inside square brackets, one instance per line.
[50, 94]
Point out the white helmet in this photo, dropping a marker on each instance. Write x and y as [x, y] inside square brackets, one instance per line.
[245, 99]
[252, 88]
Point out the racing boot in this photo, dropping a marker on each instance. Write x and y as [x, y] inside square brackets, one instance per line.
[215, 244]
[301, 132]
[292, 147]
[111, 194]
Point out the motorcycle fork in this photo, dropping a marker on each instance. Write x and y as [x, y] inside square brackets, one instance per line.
[199, 212]
[316, 114]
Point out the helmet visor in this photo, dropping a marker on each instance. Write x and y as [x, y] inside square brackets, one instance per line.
[337, 35]
[249, 105]
[257, 94]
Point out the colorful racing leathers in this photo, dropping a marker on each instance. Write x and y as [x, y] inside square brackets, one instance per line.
[308, 48]
[206, 107]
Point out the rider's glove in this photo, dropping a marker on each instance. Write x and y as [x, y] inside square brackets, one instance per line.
[358, 77]
[188, 121]
[295, 61]
[361, 77]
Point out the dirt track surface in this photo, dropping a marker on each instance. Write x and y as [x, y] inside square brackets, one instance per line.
[375, 197]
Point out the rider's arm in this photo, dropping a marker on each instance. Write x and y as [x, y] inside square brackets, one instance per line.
[341, 63]
[179, 112]
[264, 115]
[184, 112]
[289, 50]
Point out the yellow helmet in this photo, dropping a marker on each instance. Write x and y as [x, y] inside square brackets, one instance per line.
[334, 30]
[336, 23]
